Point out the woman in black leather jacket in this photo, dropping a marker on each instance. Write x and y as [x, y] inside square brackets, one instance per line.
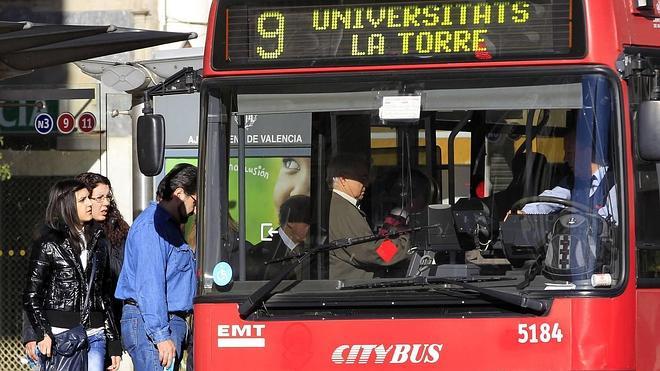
[60, 267]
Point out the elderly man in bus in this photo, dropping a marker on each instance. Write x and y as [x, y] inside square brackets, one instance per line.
[348, 176]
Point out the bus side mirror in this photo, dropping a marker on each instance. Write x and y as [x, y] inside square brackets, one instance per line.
[151, 143]
[648, 130]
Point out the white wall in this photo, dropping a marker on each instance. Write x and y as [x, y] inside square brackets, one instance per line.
[118, 170]
[186, 16]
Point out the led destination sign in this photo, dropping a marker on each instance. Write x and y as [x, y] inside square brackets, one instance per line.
[377, 32]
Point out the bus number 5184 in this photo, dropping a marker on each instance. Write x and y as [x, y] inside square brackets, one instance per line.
[533, 333]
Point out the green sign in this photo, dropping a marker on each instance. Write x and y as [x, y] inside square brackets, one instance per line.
[18, 116]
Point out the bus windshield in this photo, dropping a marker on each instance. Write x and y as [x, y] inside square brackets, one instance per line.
[501, 182]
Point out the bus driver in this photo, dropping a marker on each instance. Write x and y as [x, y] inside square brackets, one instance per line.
[602, 188]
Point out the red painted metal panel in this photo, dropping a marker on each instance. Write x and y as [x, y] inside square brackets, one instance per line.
[596, 334]
[640, 28]
[648, 329]
[210, 33]
[445, 344]
[603, 333]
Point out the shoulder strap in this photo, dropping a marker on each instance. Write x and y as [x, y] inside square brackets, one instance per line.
[599, 198]
[89, 285]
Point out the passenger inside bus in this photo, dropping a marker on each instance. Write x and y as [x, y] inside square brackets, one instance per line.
[348, 175]
[289, 240]
[409, 193]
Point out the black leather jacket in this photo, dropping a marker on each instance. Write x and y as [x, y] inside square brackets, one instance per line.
[57, 285]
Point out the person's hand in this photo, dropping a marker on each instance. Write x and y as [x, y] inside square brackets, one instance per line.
[45, 346]
[31, 350]
[518, 212]
[392, 222]
[166, 352]
[116, 360]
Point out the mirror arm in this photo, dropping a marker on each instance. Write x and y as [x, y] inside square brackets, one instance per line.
[147, 109]
[186, 81]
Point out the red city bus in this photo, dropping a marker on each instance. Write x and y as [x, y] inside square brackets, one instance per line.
[512, 208]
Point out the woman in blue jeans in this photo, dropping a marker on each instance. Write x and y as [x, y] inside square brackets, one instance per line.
[61, 262]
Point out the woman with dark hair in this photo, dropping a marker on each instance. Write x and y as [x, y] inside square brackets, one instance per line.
[62, 260]
[106, 213]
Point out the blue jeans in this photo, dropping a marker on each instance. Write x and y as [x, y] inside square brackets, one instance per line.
[96, 353]
[143, 351]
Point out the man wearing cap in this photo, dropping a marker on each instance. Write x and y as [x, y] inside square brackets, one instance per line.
[348, 176]
[288, 240]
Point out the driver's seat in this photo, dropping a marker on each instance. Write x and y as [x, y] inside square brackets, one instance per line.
[539, 178]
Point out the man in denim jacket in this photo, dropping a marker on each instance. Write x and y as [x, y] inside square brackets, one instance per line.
[157, 282]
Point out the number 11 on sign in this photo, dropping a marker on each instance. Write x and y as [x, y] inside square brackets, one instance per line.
[86, 122]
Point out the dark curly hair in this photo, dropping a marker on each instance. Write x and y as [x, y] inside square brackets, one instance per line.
[114, 226]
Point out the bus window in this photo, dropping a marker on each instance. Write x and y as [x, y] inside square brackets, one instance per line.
[277, 190]
[493, 179]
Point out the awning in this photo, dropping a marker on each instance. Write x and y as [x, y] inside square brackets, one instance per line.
[25, 46]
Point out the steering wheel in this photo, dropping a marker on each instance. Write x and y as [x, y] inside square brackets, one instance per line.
[549, 199]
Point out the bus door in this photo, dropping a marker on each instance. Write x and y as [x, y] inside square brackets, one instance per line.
[644, 88]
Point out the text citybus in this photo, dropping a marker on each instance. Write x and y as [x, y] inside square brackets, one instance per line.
[510, 143]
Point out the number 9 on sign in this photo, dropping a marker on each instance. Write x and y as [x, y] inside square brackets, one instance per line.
[270, 26]
[66, 123]
[86, 122]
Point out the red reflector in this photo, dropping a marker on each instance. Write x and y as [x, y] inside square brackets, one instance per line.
[483, 53]
[480, 190]
[387, 250]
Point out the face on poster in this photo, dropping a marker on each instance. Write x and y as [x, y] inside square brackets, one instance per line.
[269, 182]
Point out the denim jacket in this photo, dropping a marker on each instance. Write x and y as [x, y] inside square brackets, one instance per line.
[158, 271]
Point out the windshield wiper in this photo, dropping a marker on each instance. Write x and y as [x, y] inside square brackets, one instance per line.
[418, 281]
[259, 297]
[516, 299]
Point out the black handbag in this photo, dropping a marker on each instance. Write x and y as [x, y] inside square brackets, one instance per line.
[70, 347]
